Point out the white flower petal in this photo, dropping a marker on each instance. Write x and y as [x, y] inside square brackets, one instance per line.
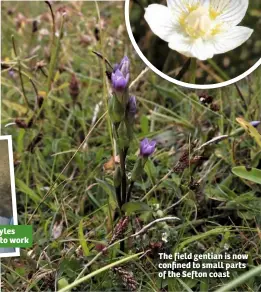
[160, 20]
[169, 23]
[231, 39]
[184, 6]
[229, 11]
[179, 8]
[198, 48]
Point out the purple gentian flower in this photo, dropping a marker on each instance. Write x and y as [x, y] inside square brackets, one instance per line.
[125, 66]
[121, 74]
[255, 123]
[147, 147]
[132, 106]
[11, 73]
[119, 81]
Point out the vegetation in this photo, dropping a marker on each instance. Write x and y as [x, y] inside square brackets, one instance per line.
[205, 170]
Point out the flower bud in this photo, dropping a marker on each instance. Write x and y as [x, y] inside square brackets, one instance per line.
[125, 66]
[74, 88]
[131, 107]
[255, 123]
[160, 213]
[121, 75]
[116, 110]
[119, 81]
[147, 147]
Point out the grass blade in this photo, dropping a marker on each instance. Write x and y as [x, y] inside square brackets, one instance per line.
[103, 269]
[240, 280]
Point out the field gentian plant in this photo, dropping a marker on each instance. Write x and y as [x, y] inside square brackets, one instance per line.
[202, 28]
[122, 110]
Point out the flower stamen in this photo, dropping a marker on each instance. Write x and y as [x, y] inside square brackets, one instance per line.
[198, 23]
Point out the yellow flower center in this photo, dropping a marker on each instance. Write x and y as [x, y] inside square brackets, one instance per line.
[198, 23]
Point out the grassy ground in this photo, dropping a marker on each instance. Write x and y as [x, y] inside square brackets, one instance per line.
[64, 165]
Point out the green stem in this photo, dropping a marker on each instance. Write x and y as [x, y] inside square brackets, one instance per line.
[20, 73]
[123, 185]
[129, 191]
[183, 70]
[123, 153]
[104, 78]
[193, 70]
[97, 272]
[124, 178]
[55, 50]
[118, 196]
[221, 73]
[53, 19]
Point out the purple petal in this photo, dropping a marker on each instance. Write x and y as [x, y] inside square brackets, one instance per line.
[255, 123]
[125, 66]
[119, 83]
[147, 147]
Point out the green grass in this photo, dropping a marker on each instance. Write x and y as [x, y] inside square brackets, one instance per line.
[65, 177]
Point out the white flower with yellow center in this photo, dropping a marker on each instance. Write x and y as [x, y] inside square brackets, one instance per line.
[200, 28]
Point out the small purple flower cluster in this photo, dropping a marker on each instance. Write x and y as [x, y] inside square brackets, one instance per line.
[147, 147]
[119, 78]
[121, 75]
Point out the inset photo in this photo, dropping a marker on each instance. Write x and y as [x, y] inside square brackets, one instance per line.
[8, 209]
[199, 44]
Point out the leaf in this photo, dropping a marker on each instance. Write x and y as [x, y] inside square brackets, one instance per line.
[246, 215]
[62, 283]
[20, 109]
[70, 267]
[82, 239]
[54, 55]
[213, 141]
[132, 207]
[106, 187]
[185, 286]
[252, 174]
[25, 189]
[150, 170]
[166, 138]
[144, 123]
[20, 141]
[109, 190]
[198, 237]
[221, 193]
[240, 280]
[252, 131]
